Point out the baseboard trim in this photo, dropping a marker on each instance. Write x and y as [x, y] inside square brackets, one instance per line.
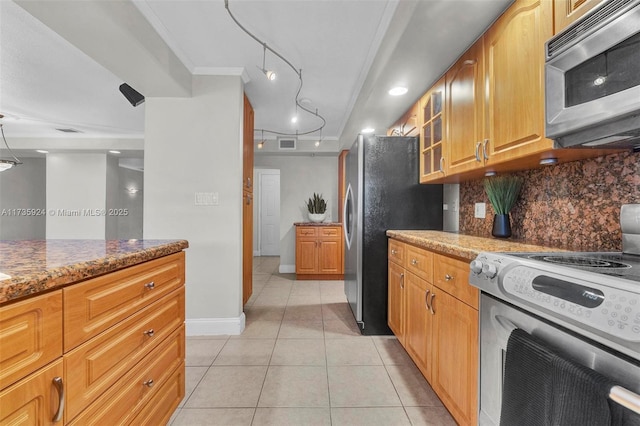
[215, 326]
[287, 269]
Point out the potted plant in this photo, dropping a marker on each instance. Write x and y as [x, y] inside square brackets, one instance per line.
[317, 208]
[503, 192]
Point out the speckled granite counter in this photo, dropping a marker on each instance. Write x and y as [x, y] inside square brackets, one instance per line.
[40, 265]
[462, 246]
[317, 224]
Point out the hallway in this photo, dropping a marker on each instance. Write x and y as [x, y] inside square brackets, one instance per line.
[302, 361]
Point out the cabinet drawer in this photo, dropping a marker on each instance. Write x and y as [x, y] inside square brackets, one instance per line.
[127, 397]
[31, 336]
[97, 304]
[93, 367]
[396, 252]
[160, 409]
[452, 276]
[329, 231]
[306, 231]
[420, 262]
[33, 400]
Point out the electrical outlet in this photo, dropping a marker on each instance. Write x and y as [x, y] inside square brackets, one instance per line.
[445, 207]
[480, 210]
[206, 199]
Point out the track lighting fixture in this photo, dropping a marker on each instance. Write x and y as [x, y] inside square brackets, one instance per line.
[261, 143]
[271, 76]
[4, 163]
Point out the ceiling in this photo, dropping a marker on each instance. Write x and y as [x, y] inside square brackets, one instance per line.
[351, 52]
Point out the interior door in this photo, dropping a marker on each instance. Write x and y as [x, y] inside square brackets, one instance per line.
[270, 213]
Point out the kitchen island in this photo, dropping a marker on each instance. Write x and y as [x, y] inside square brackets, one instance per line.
[92, 331]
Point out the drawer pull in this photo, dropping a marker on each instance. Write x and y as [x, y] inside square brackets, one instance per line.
[149, 383]
[414, 262]
[448, 277]
[393, 251]
[150, 285]
[57, 382]
[149, 332]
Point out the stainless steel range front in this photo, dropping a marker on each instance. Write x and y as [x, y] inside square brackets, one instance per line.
[586, 305]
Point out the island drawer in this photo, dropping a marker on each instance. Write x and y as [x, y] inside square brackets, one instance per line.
[139, 387]
[96, 304]
[94, 366]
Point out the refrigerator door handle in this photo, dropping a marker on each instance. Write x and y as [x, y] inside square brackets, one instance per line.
[347, 215]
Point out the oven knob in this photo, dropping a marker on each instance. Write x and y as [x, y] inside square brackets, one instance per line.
[489, 270]
[476, 266]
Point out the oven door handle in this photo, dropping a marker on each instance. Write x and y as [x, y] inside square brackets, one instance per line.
[506, 324]
[626, 398]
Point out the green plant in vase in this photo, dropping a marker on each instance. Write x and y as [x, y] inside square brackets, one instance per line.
[317, 208]
[503, 192]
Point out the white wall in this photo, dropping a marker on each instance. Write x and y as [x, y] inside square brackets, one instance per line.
[300, 177]
[112, 199]
[76, 183]
[23, 187]
[195, 145]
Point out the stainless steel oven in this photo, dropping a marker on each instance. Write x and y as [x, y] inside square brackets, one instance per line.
[592, 73]
[585, 306]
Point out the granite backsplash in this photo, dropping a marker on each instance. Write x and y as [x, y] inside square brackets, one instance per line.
[572, 205]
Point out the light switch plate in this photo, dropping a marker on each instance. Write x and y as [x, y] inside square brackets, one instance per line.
[206, 199]
[480, 210]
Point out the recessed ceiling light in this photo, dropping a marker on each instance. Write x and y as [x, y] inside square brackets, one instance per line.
[294, 119]
[114, 152]
[42, 151]
[368, 130]
[398, 90]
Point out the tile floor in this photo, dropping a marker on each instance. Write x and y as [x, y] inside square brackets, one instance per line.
[302, 361]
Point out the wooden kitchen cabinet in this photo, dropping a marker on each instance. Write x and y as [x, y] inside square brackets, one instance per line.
[432, 132]
[107, 340]
[35, 400]
[407, 125]
[454, 375]
[419, 323]
[434, 314]
[515, 88]
[319, 252]
[565, 12]
[247, 200]
[465, 112]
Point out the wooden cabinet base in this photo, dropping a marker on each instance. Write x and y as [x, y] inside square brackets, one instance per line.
[302, 277]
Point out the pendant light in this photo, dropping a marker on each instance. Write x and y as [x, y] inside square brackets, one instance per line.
[4, 163]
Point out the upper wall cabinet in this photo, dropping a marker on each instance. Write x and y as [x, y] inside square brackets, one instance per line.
[407, 125]
[465, 112]
[432, 132]
[567, 11]
[514, 71]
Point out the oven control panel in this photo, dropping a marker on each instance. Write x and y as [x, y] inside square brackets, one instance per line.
[613, 311]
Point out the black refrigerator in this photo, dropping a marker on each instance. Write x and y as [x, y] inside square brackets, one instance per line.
[383, 192]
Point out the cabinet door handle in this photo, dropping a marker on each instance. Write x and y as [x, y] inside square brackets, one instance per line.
[149, 383]
[442, 164]
[57, 382]
[150, 332]
[433, 311]
[426, 300]
[448, 277]
[150, 285]
[484, 149]
[478, 151]
[402, 280]
[414, 262]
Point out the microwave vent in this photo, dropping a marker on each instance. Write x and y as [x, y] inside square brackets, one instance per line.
[587, 25]
[287, 143]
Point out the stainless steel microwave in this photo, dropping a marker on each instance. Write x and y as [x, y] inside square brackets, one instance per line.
[592, 79]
